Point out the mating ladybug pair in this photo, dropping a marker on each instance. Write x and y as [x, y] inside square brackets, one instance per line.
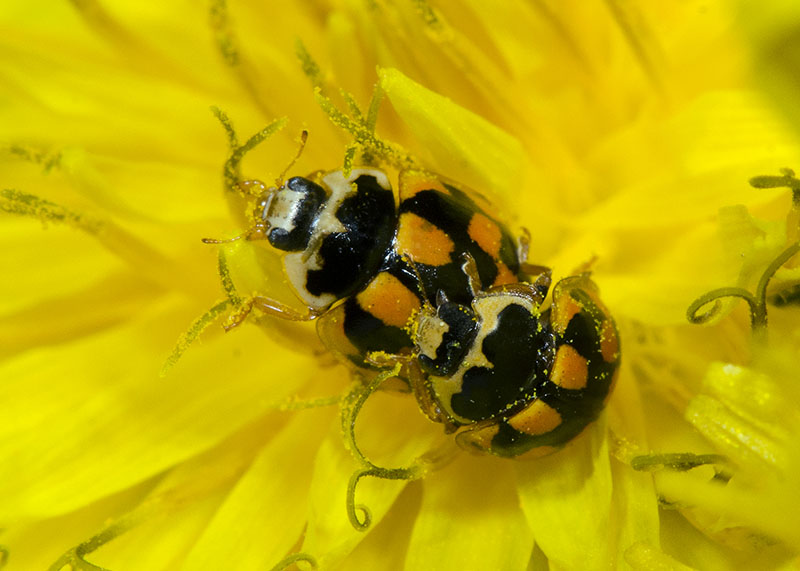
[432, 280]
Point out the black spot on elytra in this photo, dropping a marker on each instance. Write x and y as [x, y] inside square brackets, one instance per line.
[520, 353]
[350, 259]
[368, 333]
[452, 214]
[577, 408]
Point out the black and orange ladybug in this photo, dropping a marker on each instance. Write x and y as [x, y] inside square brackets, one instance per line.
[513, 376]
[490, 360]
[348, 239]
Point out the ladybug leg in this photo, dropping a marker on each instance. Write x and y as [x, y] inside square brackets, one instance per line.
[523, 245]
[253, 187]
[470, 268]
[418, 382]
[270, 307]
[535, 291]
[259, 230]
[421, 388]
[384, 360]
[533, 269]
[585, 267]
[541, 285]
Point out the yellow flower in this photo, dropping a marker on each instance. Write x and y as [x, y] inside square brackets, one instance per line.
[619, 133]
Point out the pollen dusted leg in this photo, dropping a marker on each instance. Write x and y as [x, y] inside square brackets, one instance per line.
[523, 245]
[269, 307]
[421, 388]
[418, 382]
[470, 268]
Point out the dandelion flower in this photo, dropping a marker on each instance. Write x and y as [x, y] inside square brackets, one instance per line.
[620, 134]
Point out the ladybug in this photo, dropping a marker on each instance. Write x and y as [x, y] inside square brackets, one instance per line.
[512, 378]
[490, 361]
[363, 263]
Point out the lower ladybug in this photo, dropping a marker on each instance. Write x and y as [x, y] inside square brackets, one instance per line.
[511, 377]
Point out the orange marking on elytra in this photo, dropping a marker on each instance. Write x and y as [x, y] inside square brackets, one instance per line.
[609, 342]
[565, 309]
[504, 275]
[389, 300]
[486, 233]
[422, 241]
[570, 369]
[537, 418]
[412, 182]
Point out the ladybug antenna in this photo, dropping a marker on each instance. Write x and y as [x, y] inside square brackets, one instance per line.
[259, 189]
[303, 139]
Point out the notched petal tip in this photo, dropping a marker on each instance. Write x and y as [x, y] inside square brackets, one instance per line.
[464, 144]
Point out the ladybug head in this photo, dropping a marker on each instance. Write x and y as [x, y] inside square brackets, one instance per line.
[287, 214]
[443, 336]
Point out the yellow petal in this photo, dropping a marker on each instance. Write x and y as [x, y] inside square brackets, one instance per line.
[264, 515]
[773, 29]
[51, 254]
[450, 134]
[348, 56]
[634, 517]
[647, 286]
[567, 498]
[743, 413]
[29, 551]
[329, 536]
[690, 546]
[188, 494]
[385, 547]
[644, 557]
[472, 499]
[392, 432]
[663, 203]
[750, 414]
[87, 419]
[166, 538]
[113, 299]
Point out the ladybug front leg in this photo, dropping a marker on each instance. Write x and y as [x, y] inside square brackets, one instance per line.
[423, 392]
[535, 291]
[269, 307]
[523, 245]
[470, 269]
[417, 380]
